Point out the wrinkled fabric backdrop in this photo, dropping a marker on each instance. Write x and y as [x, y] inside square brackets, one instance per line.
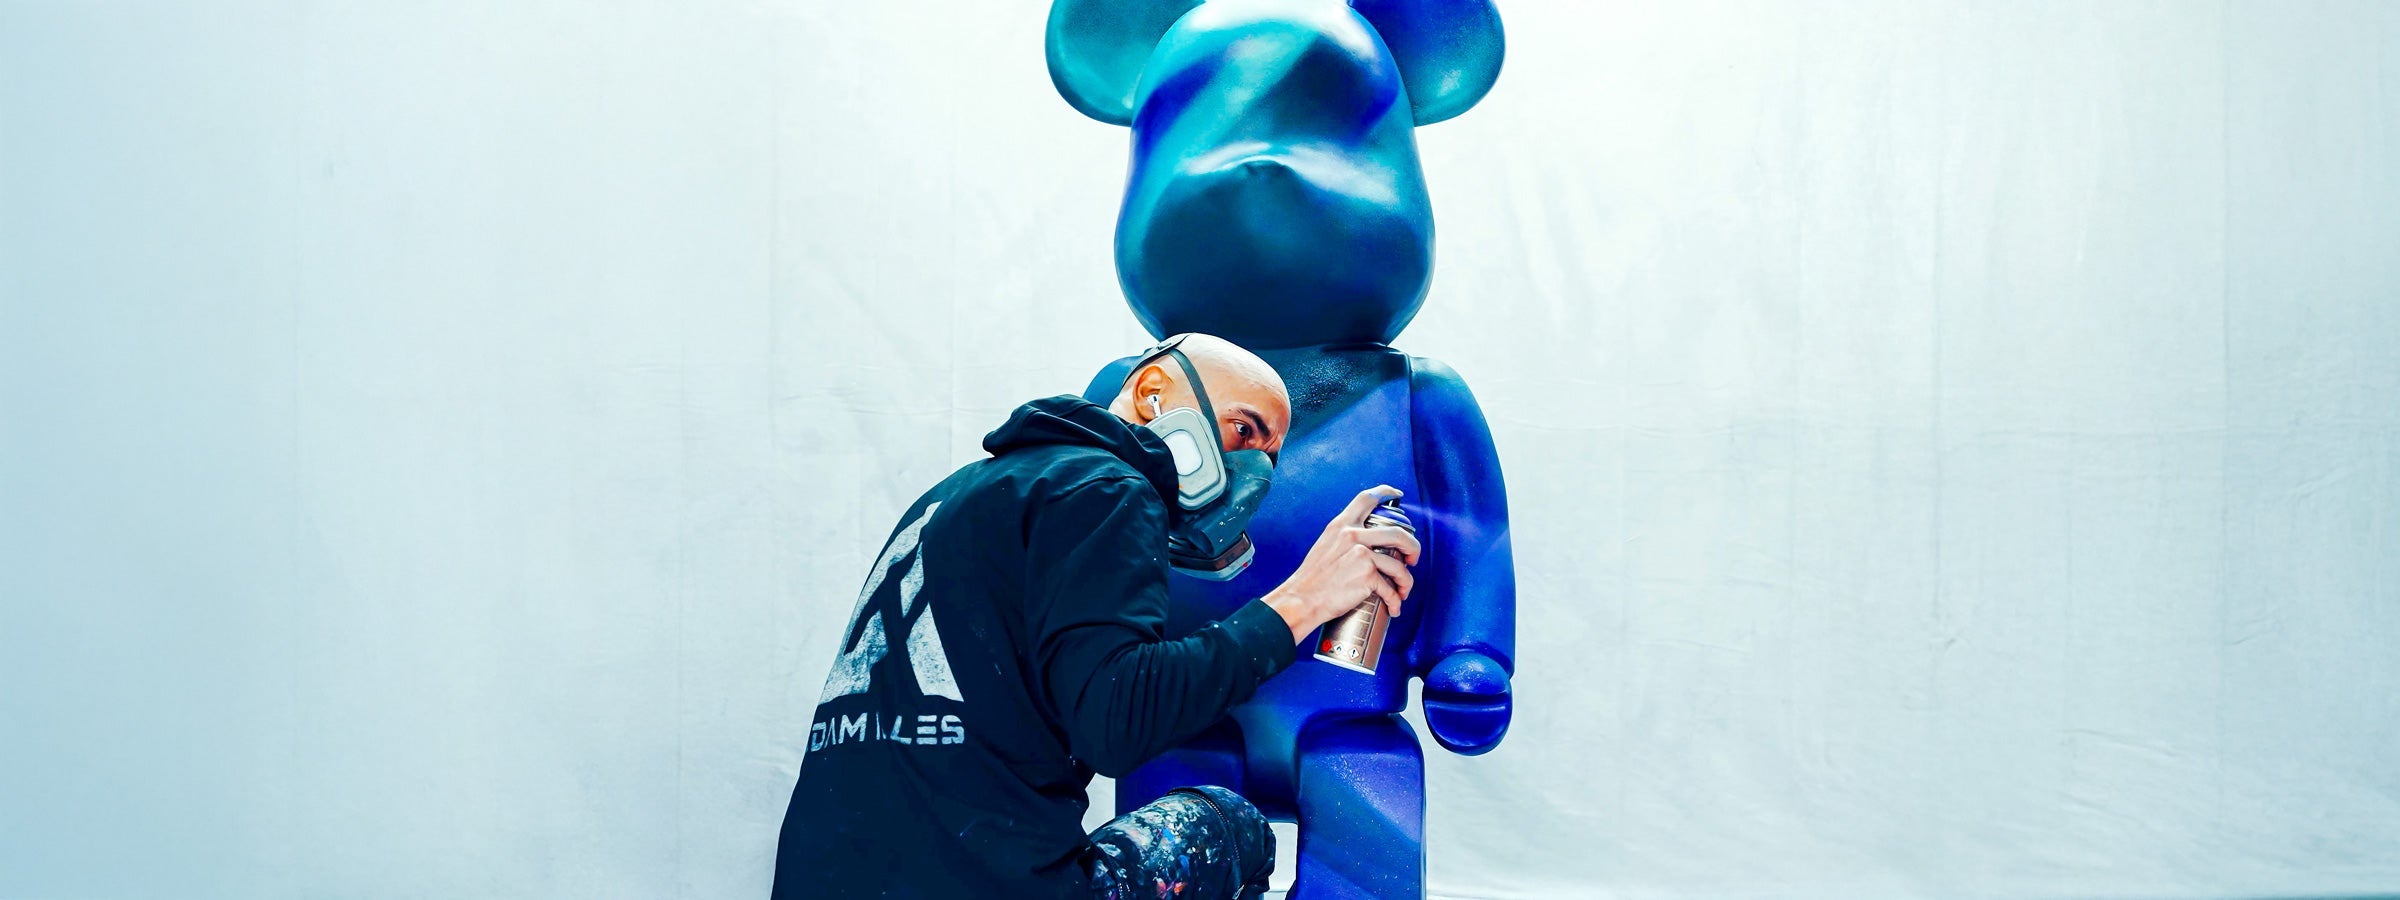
[1954, 447]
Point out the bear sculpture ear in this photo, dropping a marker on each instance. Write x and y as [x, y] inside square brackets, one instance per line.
[1097, 49]
[1448, 50]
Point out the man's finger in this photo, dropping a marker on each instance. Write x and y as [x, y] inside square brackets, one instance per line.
[1400, 576]
[1397, 539]
[1363, 504]
[1384, 591]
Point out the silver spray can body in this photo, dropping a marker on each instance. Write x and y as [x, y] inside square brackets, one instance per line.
[1355, 640]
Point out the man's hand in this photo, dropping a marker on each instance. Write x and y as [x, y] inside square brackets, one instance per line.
[1343, 568]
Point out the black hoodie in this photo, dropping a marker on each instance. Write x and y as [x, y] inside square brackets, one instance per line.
[1009, 643]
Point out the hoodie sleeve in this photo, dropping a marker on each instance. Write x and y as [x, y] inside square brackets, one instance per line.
[1096, 601]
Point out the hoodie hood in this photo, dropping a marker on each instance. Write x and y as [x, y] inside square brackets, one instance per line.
[1068, 419]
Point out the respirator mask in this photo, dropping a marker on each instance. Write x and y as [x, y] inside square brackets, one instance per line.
[1216, 492]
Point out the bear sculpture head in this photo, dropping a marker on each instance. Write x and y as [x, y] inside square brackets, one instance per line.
[1275, 197]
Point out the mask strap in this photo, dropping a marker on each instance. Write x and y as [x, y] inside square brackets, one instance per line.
[1207, 410]
[1199, 391]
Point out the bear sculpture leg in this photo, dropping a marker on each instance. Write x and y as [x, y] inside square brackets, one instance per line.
[1362, 810]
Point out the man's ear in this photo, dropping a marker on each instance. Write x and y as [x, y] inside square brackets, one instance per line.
[1151, 380]
[1448, 50]
[1097, 49]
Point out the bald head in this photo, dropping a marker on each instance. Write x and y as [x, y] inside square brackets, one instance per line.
[1252, 409]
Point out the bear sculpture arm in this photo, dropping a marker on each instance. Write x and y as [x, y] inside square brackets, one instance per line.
[1466, 584]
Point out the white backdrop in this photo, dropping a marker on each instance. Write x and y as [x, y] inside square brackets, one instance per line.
[1954, 447]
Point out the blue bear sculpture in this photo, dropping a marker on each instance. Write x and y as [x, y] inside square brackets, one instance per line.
[1276, 199]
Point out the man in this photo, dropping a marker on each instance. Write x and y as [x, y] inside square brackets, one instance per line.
[1008, 644]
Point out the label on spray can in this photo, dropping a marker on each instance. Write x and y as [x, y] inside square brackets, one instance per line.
[1355, 641]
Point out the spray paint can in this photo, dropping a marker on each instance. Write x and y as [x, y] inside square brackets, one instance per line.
[1355, 640]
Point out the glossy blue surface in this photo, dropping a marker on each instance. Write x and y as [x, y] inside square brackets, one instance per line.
[1275, 199]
